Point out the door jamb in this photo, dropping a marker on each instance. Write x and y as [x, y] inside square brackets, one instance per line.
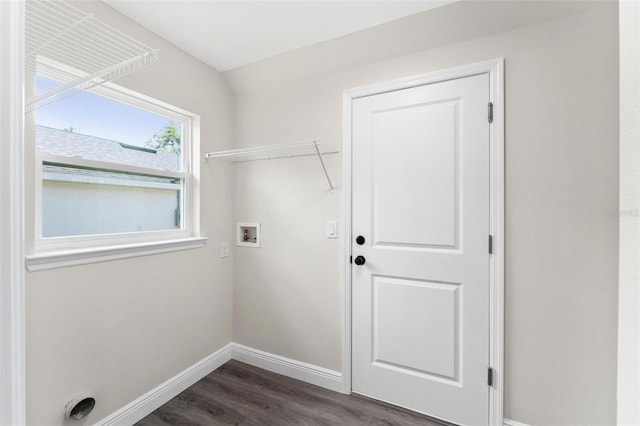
[12, 309]
[495, 69]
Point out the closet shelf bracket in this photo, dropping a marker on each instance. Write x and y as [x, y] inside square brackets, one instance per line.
[278, 151]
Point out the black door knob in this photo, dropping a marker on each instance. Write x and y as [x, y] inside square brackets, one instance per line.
[360, 240]
[359, 260]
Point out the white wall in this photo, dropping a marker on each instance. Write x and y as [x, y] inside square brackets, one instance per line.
[629, 291]
[287, 291]
[118, 329]
[561, 179]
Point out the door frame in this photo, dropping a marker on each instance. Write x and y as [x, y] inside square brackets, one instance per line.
[12, 274]
[495, 69]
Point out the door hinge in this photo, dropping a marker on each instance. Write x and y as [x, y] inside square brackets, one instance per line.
[490, 244]
[350, 259]
[490, 112]
[490, 376]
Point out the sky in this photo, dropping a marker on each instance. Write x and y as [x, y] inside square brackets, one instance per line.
[95, 115]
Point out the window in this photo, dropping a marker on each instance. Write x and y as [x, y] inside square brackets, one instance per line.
[113, 167]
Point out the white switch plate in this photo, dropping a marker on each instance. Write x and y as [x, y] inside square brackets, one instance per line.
[332, 229]
[224, 249]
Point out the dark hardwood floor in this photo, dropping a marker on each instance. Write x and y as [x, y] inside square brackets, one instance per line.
[239, 394]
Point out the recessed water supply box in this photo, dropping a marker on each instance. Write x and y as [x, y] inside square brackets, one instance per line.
[248, 234]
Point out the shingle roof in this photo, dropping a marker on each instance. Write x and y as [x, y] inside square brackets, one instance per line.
[62, 142]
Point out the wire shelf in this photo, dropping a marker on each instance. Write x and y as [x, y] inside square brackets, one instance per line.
[273, 152]
[68, 50]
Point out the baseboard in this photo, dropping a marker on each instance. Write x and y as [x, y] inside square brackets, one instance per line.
[302, 371]
[147, 403]
[509, 422]
[309, 373]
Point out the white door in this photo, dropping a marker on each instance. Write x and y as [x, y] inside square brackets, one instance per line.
[421, 204]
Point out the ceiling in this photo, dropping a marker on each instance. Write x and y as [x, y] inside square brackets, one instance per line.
[229, 34]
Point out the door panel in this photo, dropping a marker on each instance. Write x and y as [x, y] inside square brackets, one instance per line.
[421, 200]
[415, 326]
[399, 169]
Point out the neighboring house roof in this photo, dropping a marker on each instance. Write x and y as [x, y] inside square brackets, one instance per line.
[62, 142]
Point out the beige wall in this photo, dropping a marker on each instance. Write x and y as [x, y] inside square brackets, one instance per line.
[561, 180]
[118, 329]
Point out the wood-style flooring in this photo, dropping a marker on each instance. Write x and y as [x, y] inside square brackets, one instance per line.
[239, 394]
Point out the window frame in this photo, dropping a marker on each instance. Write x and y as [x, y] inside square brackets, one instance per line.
[53, 252]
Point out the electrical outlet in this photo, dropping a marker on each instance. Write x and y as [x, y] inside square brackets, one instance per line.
[224, 249]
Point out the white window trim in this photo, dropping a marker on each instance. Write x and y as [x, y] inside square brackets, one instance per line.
[58, 252]
[66, 258]
[12, 293]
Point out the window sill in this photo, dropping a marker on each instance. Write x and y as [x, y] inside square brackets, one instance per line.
[63, 259]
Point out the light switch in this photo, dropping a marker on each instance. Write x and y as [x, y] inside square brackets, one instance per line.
[332, 229]
[224, 249]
